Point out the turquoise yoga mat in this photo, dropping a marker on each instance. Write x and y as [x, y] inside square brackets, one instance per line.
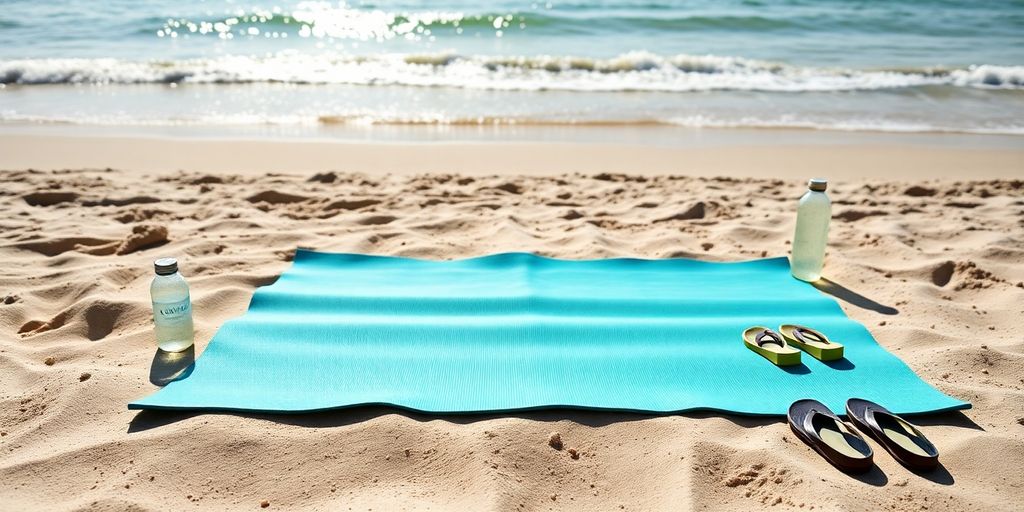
[519, 331]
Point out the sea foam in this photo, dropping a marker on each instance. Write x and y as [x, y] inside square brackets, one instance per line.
[634, 71]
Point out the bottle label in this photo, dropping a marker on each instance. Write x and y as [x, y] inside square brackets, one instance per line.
[173, 310]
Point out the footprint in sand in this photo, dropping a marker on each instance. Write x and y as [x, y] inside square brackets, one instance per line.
[124, 201]
[141, 237]
[49, 198]
[275, 197]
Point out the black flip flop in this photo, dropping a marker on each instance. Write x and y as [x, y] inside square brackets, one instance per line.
[900, 438]
[822, 430]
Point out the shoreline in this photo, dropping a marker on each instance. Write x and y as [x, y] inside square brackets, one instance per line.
[693, 152]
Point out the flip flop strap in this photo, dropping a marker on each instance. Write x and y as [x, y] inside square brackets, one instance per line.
[769, 336]
[869, 416]
[803, 333]
[809, 422]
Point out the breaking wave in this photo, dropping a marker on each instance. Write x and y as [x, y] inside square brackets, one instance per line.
[634, 71]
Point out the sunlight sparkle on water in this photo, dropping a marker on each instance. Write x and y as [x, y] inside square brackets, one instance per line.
[331, 21]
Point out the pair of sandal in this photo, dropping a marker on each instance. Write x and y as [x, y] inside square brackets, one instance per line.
[777, 347]
[842, 446]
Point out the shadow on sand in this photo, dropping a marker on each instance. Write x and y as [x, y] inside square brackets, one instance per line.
[851, 297]
[149, 419]
[939, 475]
[171, 366]
[875, 476]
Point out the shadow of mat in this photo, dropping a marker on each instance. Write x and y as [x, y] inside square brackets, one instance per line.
[946, 419]
[153, 418]
[851, 297]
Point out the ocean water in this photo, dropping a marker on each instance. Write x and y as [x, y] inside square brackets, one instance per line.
[908, 66]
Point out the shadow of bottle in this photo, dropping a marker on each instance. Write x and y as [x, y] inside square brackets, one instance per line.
[851, 297]
[171, 366]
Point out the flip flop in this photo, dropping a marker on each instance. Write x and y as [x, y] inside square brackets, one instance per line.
[823, 431]
[771, 345]
[811, 341]
[900, 438]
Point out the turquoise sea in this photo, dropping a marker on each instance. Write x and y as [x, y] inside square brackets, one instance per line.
[910, 66]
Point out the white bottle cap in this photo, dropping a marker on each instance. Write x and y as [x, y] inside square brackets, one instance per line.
[817, 184]
[165, 266]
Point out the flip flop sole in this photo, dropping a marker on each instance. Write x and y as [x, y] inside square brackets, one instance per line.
[831, 352]
[821, 354]
[783, 356]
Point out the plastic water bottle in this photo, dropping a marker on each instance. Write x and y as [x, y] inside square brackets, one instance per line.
[811, 236]
[172, 309]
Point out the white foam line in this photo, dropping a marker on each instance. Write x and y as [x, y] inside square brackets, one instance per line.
[636, 71]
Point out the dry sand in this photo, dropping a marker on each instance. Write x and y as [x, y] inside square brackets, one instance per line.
[934, 269]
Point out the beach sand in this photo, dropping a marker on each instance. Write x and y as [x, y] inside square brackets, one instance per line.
[930, 263]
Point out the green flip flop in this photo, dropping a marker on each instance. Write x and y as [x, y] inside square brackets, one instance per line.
[771, 346]
[811, 341]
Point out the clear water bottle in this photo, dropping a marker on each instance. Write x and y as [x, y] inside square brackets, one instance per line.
[811, 236]
[172, 309]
